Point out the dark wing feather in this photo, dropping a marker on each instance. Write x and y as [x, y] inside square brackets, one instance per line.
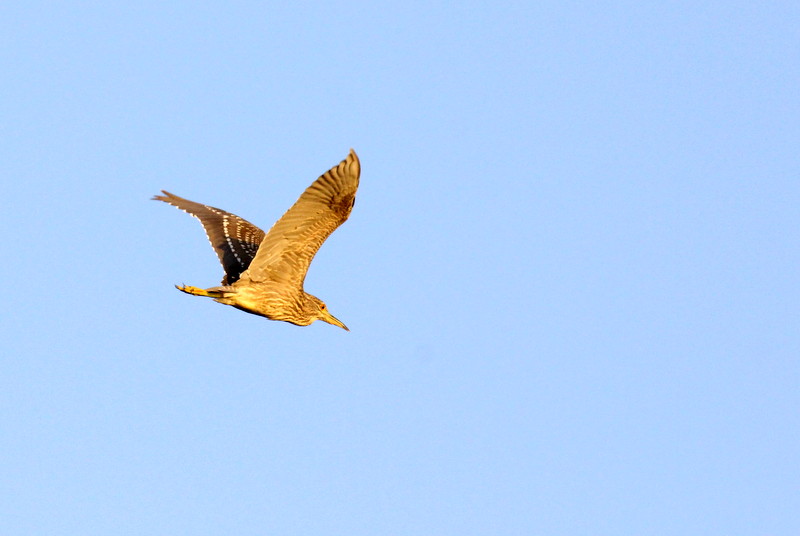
[234, 239]
[289, 247]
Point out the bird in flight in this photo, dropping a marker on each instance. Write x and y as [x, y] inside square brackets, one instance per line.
[264, 273]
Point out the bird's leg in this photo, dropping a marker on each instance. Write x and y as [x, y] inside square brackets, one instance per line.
[210, 293]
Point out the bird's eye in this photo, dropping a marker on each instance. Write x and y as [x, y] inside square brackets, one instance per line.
[323, 306]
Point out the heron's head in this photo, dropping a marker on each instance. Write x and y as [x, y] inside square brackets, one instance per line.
[325, 315]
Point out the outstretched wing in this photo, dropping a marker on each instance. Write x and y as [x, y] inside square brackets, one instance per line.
[234, 239]
[289, 247]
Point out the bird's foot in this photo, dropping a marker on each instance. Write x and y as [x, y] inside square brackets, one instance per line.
[197, 291]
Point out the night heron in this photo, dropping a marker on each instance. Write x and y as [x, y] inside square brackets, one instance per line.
[264, 273]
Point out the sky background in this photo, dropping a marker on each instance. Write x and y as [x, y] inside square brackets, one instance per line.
[571, 274]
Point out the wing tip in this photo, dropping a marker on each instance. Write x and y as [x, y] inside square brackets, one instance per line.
[166, 197]
[352, 164]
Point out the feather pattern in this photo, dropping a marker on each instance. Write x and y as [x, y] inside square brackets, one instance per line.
[234, 239]
[290, 245]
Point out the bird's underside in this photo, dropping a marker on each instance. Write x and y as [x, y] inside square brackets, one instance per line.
[264, 272]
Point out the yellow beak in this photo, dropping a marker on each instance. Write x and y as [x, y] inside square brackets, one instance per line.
[330, 319]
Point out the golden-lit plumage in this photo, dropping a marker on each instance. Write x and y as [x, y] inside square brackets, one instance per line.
[264, 273]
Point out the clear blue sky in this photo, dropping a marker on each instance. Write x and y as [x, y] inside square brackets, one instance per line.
[571, 274]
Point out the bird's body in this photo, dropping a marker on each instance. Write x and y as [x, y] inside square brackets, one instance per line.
[264, 273]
